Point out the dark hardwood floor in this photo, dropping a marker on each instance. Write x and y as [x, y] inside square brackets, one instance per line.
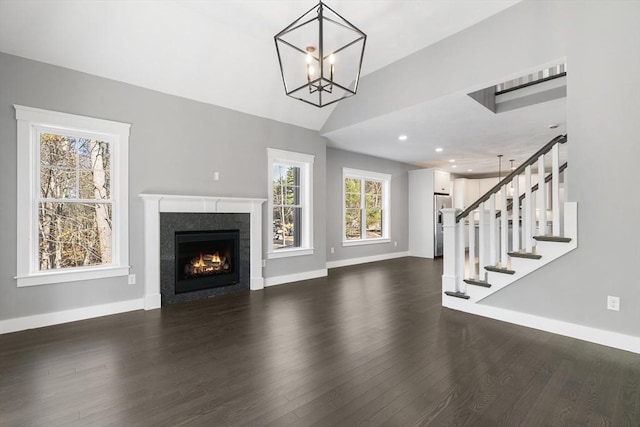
[369, 345]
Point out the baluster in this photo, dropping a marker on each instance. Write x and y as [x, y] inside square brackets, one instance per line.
[555, 189]
[472, 247]
[515, 246]
[482, 241]
[461, 285]
[526, 226]
[504, 216]
[534, 218]
[492, 230]
[542, 197]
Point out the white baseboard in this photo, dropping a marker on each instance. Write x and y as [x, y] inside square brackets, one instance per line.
[58, 317]
[296, 277]
[560, 327]
[366, 259]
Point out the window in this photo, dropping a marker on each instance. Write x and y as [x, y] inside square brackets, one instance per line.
[73, 197]
[290, 203]
[366, 207]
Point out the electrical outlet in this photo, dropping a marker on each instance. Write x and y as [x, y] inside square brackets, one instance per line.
[395, 243]
[264, 262]
[132, 279]
[613, 303]
[332, 250]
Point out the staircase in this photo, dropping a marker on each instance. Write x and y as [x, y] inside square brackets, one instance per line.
[514, 229]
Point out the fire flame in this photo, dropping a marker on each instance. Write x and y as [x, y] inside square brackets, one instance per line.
[206, 264]
[200, 262]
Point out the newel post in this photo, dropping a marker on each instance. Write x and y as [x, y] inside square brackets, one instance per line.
[449, 251]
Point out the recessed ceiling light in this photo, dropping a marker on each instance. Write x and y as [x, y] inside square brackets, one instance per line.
[402, 137]
[469, 170]
[554, 126]
[452, 160]
[439, 150]
[454, 166]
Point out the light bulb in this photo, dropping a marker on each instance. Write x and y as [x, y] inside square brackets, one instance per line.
[309, 58]
[332, 59]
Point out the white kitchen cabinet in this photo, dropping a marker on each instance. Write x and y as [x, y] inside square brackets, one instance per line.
[465, 192]
[423, 185]
[459, 193]
[442, 182]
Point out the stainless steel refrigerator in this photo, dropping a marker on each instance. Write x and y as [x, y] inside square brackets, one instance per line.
[440, 202]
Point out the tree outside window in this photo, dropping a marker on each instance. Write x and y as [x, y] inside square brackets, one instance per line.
[287, 208]
[73, 182]
[290, 203]
[366, 197]
[74, 207]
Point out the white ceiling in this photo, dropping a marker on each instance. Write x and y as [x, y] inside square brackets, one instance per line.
[468, 133]
[223, 53]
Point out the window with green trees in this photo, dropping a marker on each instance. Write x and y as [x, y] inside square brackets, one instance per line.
[287, 206]
[290, 203]
[366, 207]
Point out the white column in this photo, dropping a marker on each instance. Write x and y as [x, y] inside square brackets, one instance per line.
[449, 250]
[526, 225]
[515, 247]
[542, 198]
[472, 247]
[152, 298]
[555, 190]
[504, 230]
[255, 248]
[493, 244]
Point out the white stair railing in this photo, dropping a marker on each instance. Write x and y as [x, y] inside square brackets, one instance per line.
[507, 232]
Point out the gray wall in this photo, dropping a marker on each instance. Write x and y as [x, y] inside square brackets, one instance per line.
[336, 160]
[175, 146]
[603, 107]
[600, 41]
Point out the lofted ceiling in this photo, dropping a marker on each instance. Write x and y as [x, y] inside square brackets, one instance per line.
[222, 53]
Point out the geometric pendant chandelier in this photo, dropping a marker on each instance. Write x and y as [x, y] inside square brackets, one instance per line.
[320, 56]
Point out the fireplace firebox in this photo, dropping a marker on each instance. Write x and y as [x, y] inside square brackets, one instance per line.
[206, 259]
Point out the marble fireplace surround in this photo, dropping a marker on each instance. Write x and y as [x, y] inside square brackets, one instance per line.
[156, 203]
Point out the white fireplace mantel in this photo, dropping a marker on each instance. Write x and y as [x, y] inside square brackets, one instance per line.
[156, 203]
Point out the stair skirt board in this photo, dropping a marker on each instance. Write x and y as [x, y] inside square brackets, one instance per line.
[520, 267]
[548, 248]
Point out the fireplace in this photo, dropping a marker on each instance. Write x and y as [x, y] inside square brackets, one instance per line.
[203, 255]
[206, 259]
[164, 215]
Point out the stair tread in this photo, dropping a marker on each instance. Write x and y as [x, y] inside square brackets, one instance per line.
[477, 282]
[528, 255]
[499, 270]
[547, 238]
[457, 294]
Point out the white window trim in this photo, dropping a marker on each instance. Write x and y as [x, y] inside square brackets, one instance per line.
[386, 205]
[29, 120]
[305, 163]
